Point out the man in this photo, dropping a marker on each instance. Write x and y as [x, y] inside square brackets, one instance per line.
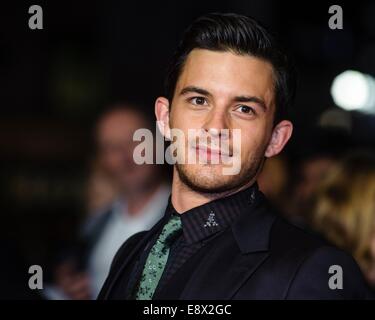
[139, 200]
[218, 238]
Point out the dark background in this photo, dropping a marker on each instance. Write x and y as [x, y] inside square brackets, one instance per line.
[55, 81]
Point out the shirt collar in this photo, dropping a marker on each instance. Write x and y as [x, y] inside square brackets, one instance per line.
[201, 222]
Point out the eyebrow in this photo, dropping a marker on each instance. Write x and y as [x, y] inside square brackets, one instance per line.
[193, 89]
[204, 92]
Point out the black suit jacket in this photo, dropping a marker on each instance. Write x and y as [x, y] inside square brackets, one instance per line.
[260, 256]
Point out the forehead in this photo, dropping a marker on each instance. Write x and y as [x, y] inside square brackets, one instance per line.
[119, 125]
[228, 73]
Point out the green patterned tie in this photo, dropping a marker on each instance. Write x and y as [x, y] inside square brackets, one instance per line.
[157, 259]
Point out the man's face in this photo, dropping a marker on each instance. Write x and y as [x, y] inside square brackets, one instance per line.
[116, 146]
[223, 90]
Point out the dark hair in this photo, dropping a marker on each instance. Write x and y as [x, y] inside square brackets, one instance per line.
[241, 35]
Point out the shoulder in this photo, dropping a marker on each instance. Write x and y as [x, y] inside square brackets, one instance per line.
[320, 270]
[286, 235]
[328, 273]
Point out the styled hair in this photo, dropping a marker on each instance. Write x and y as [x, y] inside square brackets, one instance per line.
[241, 35]
[344, 208]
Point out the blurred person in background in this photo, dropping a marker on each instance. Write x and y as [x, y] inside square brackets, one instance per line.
[322, 150]
[123, 198]
[344, 209]
[311, 171]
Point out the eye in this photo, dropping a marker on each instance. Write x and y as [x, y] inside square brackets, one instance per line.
[198, 101]
[245, 109]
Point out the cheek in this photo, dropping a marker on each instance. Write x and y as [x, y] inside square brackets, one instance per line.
[183, 116]
[107, 160]
[175, 117]
[185, 121]
[250, 148]
[253, 140]
[115, 161]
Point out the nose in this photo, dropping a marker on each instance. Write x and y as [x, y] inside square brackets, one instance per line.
[216, 121]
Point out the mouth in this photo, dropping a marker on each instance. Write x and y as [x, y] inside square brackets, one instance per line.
[211, 152]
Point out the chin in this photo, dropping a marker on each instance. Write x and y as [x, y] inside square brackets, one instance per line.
[212, 187]
[206, 178]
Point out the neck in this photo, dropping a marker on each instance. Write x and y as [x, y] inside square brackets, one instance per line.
[184, 198]
[137, 200]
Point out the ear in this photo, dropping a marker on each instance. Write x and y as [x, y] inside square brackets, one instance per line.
[280, 135]
[162, 116]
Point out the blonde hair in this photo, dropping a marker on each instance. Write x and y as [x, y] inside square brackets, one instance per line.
[344, 210]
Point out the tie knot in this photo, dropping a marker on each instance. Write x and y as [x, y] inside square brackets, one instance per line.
[170, 228]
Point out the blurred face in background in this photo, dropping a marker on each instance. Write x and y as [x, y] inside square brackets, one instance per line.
[344, 208]
[311, 173]
[115, 150]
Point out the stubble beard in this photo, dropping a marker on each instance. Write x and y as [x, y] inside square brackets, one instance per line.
[213, 183]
